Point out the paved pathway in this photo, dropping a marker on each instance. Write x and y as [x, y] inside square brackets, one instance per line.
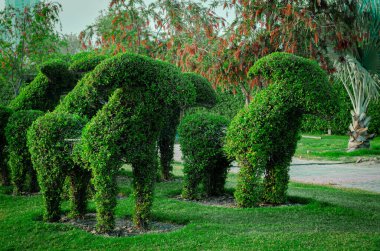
[364, 175]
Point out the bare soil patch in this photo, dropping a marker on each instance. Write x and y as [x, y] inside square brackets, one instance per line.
[123, 226]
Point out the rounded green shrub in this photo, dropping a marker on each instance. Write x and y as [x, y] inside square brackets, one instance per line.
[5, 113]
[51, 156]
[205, 97]
[19, 157]
[201, 136]
[263, 137]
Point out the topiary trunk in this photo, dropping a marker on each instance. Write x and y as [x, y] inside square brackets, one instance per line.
[359, 136]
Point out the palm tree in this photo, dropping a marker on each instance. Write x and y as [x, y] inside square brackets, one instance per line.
[359, 72]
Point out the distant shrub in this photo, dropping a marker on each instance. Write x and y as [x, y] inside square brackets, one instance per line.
[263, 137]
[51, 157]
[201, 137]
[5, 113]
[19, 157]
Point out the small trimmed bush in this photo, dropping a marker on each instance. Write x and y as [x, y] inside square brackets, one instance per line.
[263, 137]
[201, 136]
[19, 157]
[51, 157]
[5, 113]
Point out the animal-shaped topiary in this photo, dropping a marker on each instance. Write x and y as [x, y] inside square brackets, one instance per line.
[126, 99]
[263, 136]
[54, 80]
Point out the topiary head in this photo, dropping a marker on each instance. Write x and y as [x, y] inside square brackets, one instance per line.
[205, 94]
[302, 81]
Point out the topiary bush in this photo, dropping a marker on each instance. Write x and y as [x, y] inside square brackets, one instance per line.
[19, 157]
[125, 98]
[263, 137]
[201, 136]
[205, 97]
[5, 113]
[51, 158]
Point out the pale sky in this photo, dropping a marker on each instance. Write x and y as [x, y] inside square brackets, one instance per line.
[77, 14]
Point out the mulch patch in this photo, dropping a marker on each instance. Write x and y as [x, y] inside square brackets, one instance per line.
[123, 227]
[228, 200]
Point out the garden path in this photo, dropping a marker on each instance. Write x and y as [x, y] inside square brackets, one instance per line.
[365, 175]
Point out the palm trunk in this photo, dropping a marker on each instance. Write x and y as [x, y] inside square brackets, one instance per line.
[359, 136]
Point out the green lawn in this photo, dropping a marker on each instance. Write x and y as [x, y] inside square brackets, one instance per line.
[334, 148]
[331, 219]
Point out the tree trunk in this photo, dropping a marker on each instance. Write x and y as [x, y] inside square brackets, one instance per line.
[359, 136]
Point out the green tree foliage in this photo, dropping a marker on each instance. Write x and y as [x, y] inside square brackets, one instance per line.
[205, 97]
[201, 138]
[19, 157]
[126, 98]
[5, 113]
[263, 136]
[28, 38]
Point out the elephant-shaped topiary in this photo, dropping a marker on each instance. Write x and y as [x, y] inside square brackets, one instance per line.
[263, 137]
[125, 99]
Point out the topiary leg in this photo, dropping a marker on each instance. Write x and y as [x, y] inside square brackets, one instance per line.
[51, 193]
[192, 178]
[276, 184]
[166, 142]
[79, 181]
[144, 170]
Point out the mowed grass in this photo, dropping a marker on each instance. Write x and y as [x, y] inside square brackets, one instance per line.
[334, 148]
[328, 219]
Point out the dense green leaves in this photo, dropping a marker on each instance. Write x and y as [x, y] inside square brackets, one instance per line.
[263, 136]
[5, 113]
[51, 155]
[23, 175]
[126, 98]
[201, 136]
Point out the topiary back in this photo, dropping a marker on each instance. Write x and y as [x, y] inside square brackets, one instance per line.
[263, 137]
